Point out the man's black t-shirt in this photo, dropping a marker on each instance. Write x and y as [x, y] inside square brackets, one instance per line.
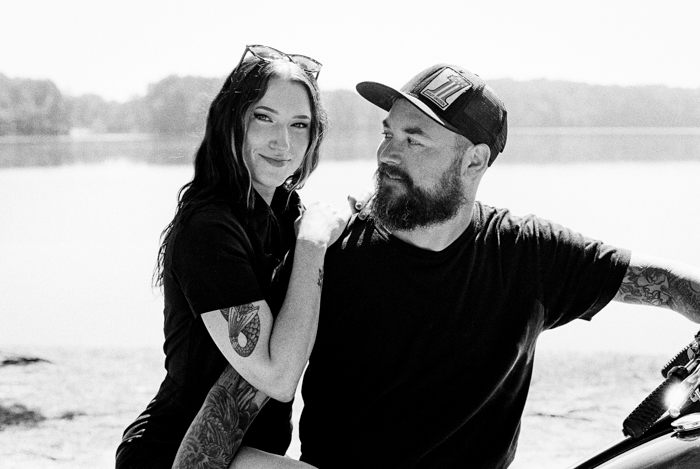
[423, 359]
[223, 256]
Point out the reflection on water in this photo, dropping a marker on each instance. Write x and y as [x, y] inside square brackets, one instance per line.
[525, 145]
[66, 150]
[78, 243]
[575, 144]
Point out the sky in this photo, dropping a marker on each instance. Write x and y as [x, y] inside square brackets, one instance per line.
[116, 48]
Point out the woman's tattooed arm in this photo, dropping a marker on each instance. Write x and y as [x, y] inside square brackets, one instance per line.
[661, 284]
[215, 434]
[243, 327]
[319, 282]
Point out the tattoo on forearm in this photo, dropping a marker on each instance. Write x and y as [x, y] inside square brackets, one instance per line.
[319, 281]
[660, 287]
[243, 327]
[215, 434]
[689, 296]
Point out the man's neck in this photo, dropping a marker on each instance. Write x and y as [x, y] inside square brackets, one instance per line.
[438, 237]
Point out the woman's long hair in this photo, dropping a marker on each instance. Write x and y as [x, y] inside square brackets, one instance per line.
[220, 173]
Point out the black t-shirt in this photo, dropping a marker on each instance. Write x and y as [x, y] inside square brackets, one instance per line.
[221, 257]
[423, 359]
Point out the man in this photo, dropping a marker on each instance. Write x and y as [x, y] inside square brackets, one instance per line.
[431, 308]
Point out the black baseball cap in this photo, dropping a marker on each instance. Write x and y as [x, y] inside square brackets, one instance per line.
[455, 98]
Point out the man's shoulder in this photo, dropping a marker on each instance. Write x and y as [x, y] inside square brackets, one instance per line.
[487, 217]
[507, 228]
[362, 234]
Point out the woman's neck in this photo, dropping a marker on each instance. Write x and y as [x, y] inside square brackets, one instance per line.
[266, 193]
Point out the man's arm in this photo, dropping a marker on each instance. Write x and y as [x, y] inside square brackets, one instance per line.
[660, 282]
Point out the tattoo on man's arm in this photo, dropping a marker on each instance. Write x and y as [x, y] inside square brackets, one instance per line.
[319, 281]
[645, 285]
[659, 287]
[689, 296]
[243, 327]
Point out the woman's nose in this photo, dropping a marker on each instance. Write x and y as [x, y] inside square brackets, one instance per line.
[280, 139]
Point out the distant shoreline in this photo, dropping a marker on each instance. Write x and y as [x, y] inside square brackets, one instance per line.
[178, 105]
[526, 145]
[85, 135]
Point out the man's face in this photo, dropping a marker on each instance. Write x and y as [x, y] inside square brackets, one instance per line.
[418, 178]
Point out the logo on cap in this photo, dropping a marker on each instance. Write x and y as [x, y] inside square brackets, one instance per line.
[445, 88]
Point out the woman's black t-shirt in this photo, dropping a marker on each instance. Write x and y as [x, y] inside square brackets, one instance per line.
[221, 257]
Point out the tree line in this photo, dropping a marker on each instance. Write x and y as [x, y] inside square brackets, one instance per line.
[178, 105]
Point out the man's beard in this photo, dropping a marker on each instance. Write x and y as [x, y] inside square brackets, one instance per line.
[412, 207]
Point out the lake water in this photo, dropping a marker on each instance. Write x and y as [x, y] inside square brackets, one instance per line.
[78, 242]
[525, 146]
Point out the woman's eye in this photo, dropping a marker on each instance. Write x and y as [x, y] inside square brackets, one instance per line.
[301, 125]
[262, 117]
[413, 142]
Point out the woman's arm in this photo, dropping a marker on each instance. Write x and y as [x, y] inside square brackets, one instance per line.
[251, 458]
[267, 358]
[215, 435]
[271, 355]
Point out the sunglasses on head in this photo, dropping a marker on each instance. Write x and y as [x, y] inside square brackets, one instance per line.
[268, 54]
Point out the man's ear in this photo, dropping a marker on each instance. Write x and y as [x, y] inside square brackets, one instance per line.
[477, 158]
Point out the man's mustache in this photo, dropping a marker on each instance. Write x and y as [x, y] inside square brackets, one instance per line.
[385, 170]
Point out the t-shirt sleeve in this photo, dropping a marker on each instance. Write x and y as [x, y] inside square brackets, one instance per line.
[213, 263]
[578, 275]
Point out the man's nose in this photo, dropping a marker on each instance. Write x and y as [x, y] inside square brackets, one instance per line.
[388, 152]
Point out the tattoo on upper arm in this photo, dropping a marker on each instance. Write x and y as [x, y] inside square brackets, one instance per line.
[215, 434]
[659, 287]
[319, 281]
[243, 327]
[645, 285]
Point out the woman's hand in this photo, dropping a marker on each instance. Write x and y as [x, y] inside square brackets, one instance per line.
[361, 205]
[321, 223]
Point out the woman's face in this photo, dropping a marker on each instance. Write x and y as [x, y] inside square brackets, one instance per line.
[277, 135]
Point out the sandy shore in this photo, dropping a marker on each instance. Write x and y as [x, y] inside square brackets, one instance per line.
[75, 405]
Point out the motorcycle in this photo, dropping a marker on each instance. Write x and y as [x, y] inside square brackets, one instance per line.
[663, 432]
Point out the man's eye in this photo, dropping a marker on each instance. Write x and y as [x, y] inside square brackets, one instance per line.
[413, 142]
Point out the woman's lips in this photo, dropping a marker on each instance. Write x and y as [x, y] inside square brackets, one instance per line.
[277, 162]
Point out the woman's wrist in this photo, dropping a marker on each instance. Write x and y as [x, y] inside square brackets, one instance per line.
[312, 245]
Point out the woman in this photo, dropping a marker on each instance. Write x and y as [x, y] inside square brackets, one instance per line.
[234, 225]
